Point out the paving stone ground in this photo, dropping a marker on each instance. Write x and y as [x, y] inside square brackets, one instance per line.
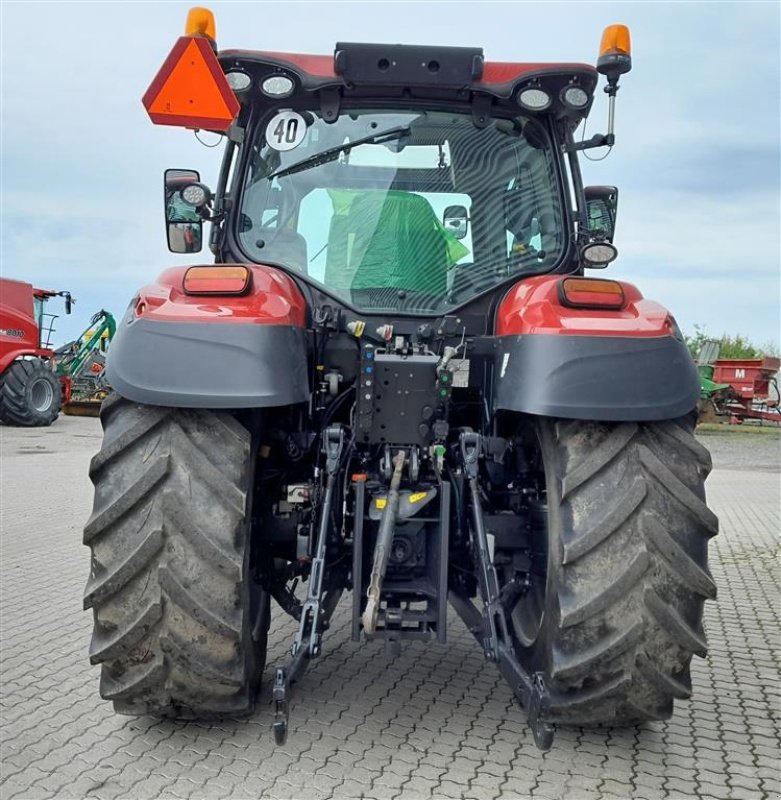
[434, 722]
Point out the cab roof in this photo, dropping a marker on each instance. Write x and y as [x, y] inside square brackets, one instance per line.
[358, 70]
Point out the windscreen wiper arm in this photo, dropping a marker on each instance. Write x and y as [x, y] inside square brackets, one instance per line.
[332, 153]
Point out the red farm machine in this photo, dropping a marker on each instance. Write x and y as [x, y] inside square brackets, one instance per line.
[754, 385]
[398, 379]
[37, 381]
[738, 389]
[30, 391]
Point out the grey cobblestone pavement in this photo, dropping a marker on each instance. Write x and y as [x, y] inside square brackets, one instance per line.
[436, 721]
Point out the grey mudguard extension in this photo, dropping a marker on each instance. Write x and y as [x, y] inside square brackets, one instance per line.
[604, 378]
[209, 365]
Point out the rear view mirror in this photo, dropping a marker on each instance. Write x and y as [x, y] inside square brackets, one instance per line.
[601, 209]
[183, 220]
[185, 237]
[456, 221]
[69, 301]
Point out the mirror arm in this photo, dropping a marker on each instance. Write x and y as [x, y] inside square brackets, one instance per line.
[597, 140]
[602, 139]
[206, 215]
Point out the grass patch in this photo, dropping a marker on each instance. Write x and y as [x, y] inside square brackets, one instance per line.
[746, 429]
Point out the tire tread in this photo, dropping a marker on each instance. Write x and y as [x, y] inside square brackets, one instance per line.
[169, 536]
[631, 576]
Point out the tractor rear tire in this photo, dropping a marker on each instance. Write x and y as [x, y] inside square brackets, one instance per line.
[180, 623]
[615, 621]
[30, 394]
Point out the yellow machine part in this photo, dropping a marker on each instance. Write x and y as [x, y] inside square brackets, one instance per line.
[89, 407]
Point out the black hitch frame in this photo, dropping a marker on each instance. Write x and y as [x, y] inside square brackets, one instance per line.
[489, 626]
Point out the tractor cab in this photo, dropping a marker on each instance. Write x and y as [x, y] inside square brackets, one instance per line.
[44, 319]
[394, 178]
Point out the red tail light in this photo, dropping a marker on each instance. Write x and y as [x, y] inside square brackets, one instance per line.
[591, 293]
[216, 280]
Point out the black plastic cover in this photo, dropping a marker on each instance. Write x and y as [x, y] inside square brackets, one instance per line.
[397, 398]
[604, 378]
[209, 365]
[408, 65]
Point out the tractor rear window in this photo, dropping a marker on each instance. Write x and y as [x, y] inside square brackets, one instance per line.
[405, 211]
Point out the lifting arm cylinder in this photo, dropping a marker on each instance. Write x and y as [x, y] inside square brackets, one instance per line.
[382, 548]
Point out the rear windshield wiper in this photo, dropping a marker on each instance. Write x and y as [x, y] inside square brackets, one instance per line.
[332, 153]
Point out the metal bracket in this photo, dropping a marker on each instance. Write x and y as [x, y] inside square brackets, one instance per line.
[493, 613]
[309, 631]
[490, 627]
[330, 103]
[542, 731]
[481, 109]
[236, 134]
[316, 610]
[333, 445]
[281, 711]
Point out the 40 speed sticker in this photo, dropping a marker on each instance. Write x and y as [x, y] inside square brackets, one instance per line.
[285, 131]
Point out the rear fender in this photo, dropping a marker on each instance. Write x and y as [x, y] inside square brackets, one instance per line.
[627, 365]
[213, 351]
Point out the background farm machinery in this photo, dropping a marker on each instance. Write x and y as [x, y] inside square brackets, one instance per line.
[736, 389]
[36, 381]
[80, 365]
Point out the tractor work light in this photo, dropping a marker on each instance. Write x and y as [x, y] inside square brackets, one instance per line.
[598, 254]
[238, 81]
[277, 86]
[533, 98]
[574, 97]
[200, 22]
[195, 195]
[216, 280]
[591, 293]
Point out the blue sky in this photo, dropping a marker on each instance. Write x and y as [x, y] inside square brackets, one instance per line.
[696, 160]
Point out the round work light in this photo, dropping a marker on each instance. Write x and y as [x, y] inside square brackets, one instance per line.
[238, 81]
[534, 99]
[277, 86]
[574, 96]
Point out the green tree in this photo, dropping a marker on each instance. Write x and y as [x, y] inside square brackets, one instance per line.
[731, 345]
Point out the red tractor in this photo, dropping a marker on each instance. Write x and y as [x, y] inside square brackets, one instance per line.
[30, 392]
[397, 380]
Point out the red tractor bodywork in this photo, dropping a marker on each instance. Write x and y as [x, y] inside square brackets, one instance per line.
[272, 298]
[534, 306]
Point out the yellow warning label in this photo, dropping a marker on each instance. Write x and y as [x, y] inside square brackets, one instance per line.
[417, 497]
[381, 502]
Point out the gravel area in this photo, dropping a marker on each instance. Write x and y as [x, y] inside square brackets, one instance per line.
[736, 449]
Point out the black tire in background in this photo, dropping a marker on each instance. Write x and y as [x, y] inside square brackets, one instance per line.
[180, 624]
[30, 394]
[614, 622]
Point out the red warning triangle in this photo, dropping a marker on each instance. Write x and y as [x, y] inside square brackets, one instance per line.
[190, 90]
